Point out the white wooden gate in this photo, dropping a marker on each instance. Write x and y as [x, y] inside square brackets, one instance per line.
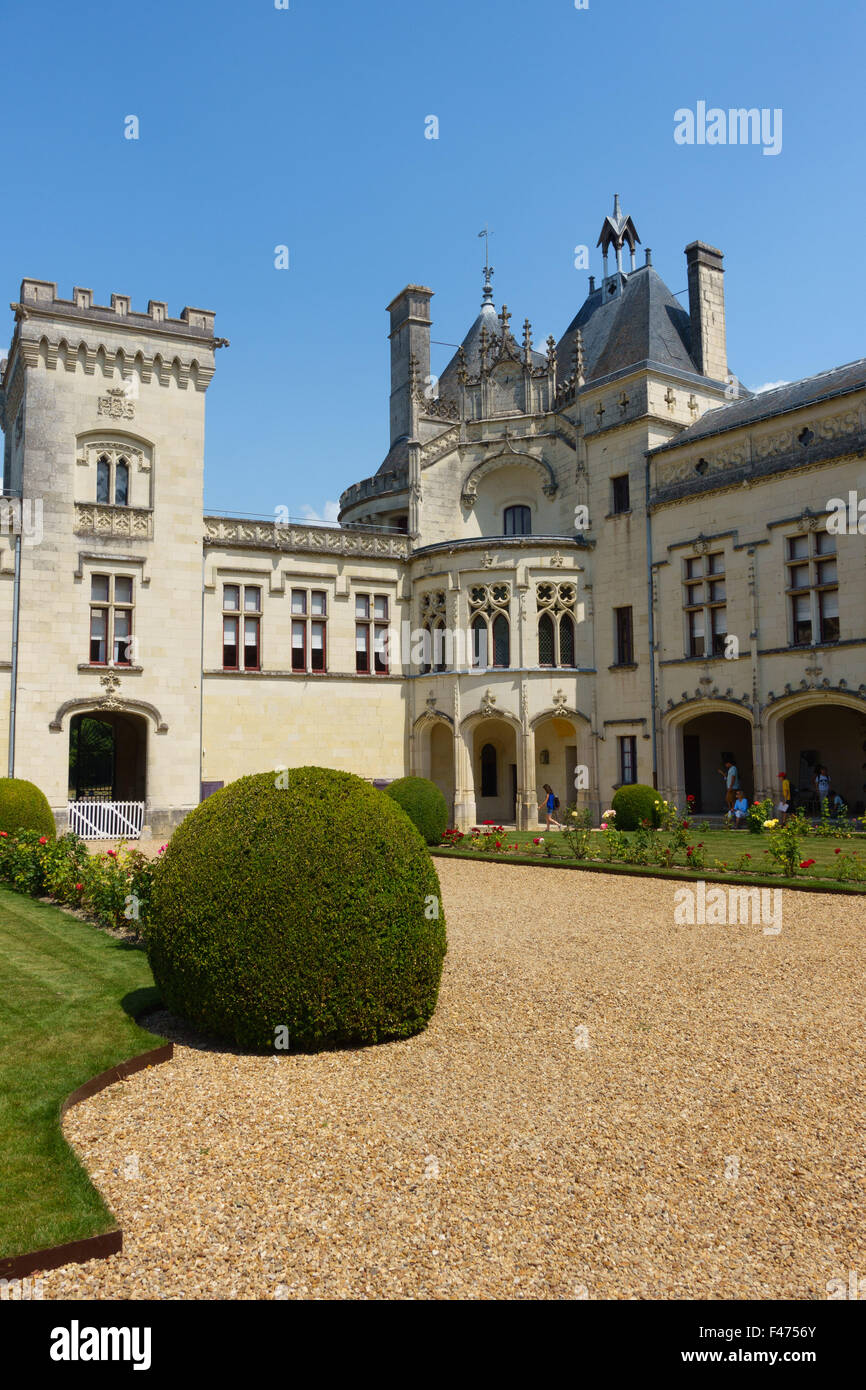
[106, 820]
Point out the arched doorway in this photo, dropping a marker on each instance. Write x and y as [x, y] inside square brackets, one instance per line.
[494, 768]
[823, 733]
[706, 741]
[107, 756]
[559, 749]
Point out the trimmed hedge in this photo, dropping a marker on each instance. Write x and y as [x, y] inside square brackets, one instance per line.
[635, 803]
[304, 901]
[24, 807]
[423, 803]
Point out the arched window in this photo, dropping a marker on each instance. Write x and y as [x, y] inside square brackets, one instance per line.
[488, 771]
[501, 641]
[518, 521]
[121, 483]
[546, 655]
[103, 480]
[479, 642]
[557, 635]
[566, 640]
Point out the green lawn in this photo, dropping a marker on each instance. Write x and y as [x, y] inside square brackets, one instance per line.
[67, 995]
[724, 845]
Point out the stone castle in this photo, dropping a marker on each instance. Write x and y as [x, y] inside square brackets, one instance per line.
[601, 562]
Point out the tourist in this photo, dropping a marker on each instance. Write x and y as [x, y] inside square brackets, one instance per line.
[837, 805]
[783, 805]
[821, 783]
[732, 781]
[740, 809]
[550, 806]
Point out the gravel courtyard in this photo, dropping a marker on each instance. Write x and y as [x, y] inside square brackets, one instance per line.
[605, 1105]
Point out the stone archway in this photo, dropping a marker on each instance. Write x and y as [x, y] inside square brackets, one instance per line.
[108, 756]
[561, 745]
[810, 729]
[489, 775]
[698, 737]
[433, 755]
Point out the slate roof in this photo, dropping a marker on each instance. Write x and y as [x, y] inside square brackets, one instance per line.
[768, 404]
[489, 319]
[644, 323]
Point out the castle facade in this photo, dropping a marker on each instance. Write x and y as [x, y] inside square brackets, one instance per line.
[597, 561]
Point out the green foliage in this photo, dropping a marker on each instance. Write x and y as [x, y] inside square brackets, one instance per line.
[113, 888]
[758, 812]
[578, 831]
[423, 803]
[635, 803]
[24, 807]
[784, 846]
[311, 907]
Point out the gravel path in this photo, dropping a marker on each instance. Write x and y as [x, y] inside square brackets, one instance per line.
[605, 1105]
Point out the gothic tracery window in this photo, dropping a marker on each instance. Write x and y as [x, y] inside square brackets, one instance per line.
[490, 625]
[434, 626]
[112, 479]
[556, 605]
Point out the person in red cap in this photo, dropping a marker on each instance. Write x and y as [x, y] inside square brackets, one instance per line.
[783, 805]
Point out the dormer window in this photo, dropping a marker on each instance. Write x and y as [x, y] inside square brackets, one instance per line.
[518, 521]
[112, 480]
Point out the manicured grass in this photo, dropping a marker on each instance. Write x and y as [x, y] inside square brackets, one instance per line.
[67, 995]
[723, 845]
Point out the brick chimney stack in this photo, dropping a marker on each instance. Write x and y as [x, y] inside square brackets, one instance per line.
[410, 337]
[707, 309]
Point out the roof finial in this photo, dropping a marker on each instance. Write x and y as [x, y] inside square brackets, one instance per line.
[488, 268]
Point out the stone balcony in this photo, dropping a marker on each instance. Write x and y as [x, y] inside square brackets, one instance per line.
[123, 523]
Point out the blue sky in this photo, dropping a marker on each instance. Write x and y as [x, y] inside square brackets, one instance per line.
[305, 127]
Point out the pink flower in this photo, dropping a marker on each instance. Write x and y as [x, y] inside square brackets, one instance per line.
[536, 842]
[112, 853]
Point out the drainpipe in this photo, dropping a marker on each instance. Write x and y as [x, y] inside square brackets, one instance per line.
[13, 680]
[652, 655]
[201, 680]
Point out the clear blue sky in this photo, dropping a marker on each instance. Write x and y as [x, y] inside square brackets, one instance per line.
[305, 127]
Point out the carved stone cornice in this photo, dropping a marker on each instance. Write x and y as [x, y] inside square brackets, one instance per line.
[272, 535]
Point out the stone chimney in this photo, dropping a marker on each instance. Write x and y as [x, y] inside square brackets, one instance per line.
[707, 310]
[410, 337]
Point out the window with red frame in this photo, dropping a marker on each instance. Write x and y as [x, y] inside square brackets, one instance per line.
[371, 634]
[111, 609]
[242, 609]
[309, 630]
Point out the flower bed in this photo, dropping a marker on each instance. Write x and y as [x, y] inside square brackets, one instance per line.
[111, 889]
[676, 847]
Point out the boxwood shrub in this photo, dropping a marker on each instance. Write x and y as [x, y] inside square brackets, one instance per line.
[423, 803]
[304, 901]
[24, 807]
[635, 803]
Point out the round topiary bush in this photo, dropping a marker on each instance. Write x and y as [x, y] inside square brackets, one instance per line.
[304, 901]
[635, 803]
[423, 803]
[24, 807]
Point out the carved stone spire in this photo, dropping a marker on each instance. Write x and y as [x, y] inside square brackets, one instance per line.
[483, 344]
[462, 373]
[579, 365]
[527, 342]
